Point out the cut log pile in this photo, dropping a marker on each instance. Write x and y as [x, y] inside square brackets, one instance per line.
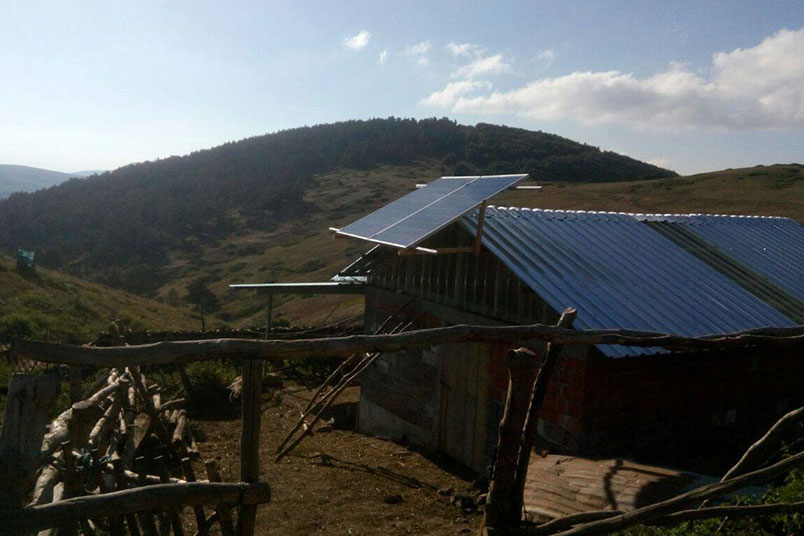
[119, 445]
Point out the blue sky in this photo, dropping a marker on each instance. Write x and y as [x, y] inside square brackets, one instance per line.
[694, 86]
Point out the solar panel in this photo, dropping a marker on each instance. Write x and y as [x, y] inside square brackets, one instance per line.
[412, 218]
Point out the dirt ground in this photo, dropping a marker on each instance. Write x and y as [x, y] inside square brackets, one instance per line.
[342, 482]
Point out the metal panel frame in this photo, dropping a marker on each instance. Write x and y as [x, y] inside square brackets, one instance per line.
[515, 178]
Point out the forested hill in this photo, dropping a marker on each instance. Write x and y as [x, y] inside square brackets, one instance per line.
[119, 226]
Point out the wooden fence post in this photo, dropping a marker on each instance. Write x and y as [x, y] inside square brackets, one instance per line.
[530, 431]
[521, 365]
[29, 399]
[250, 438]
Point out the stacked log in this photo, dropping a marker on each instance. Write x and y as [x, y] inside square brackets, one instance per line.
[90, 449]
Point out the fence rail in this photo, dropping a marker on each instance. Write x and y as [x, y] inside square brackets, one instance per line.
[249, 493]
[178, 352]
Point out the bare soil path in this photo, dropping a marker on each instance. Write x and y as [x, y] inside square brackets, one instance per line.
[342, 482]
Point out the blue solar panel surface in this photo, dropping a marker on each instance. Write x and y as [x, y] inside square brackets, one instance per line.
[392, 213]
[412, 218]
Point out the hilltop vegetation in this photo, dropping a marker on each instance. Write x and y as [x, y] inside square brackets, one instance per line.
[303, 249]
[776, 190]
[124, 228]
[160, 227]
[51, 305]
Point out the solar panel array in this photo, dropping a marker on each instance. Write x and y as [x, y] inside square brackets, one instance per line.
[418, 215]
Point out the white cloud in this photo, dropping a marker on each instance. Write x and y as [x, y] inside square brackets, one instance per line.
[464, 49]
[358, 41]
[424, 60]
[418, 48]
[547, 55]
[482, 66]
[450, 94]
[755, 88]
[660, 162]
[383, 56]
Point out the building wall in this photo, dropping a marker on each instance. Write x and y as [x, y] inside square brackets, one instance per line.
[654, 408]
[400, 392]
[677, 407]
[451, 397]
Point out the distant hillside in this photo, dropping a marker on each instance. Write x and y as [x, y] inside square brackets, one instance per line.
[128, 227]
[51, 305]
[27, 179]
[303, 249]
[776, 190]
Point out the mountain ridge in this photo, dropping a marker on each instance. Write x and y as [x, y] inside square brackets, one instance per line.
[123, 227]
[16, 178]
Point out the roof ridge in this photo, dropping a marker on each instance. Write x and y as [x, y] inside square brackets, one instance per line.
[639, 214]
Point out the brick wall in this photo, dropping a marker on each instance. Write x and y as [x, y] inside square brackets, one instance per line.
[674, 407]
[560, 420]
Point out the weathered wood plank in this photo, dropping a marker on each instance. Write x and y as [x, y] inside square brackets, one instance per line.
[29, 399]
[186, 351]
[530, 431]
[521, 373]
[250, 438]
[134, 500]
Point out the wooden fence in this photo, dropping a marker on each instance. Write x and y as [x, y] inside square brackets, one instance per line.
[517, 429]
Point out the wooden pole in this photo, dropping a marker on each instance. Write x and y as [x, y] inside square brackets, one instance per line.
[224, 513]
[269, 312]
[30, 397]
[650, 513]
[521, 365]
[768, 445]
[173, 511]
[251, 404]
[117, 503]
[145, 517]
[250, 439]
[75, 384]
[121, 484]
[530, 431]
[166, 352]
[198, 510]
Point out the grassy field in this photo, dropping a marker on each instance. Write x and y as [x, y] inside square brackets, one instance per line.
[763, 190]
[303, 249]
[51, 305]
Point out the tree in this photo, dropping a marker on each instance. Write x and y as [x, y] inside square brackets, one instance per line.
[205, 300]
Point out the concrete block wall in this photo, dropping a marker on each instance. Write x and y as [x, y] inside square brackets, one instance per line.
[400, 392]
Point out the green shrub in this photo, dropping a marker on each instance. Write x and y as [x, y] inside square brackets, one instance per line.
[209, 396]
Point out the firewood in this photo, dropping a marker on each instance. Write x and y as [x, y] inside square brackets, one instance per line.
[178, 432]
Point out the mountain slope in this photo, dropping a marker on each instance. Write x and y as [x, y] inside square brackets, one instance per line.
[52, 305]
[125, 227]
[27, 179]
[776, 190]
[303, 249]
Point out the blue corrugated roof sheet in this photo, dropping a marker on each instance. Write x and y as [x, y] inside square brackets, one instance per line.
[774, 247]
[620, 273]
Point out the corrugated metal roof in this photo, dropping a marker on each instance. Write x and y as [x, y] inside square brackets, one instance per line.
[774, 247]
[619, 273]
[758, 284]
